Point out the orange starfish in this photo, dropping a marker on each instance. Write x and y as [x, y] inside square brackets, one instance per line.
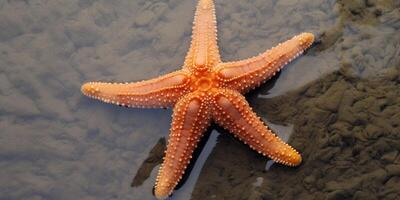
[207, 89]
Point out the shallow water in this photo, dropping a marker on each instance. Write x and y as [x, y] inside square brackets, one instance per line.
[339, 103]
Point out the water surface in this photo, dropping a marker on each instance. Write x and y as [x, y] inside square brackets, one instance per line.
[339, 103]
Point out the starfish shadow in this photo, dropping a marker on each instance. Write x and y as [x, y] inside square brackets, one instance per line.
[155, 158]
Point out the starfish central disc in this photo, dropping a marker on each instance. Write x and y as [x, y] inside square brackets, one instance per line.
[204, 84]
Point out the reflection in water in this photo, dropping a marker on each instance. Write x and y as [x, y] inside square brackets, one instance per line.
[269, 164]
[258, 182]
[283, 132]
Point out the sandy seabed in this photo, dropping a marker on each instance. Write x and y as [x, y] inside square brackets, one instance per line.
[341, 100]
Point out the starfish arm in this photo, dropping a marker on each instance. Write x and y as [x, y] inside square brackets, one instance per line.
[163, 91]
[190, 119]
[233, 113]
[203, 52]
[247, 74]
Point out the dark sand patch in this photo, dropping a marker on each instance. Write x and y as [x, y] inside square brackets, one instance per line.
[346, 123]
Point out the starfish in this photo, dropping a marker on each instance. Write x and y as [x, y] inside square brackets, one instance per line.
[205, 90]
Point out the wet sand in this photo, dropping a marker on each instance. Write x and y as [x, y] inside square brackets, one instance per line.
[342, 99]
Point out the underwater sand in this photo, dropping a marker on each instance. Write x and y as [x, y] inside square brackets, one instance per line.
[339, 103]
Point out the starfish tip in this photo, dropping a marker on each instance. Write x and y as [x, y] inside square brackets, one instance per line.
[307, 38]
[296, 159]
[86, 88]
[90, 89]
[161, 193]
